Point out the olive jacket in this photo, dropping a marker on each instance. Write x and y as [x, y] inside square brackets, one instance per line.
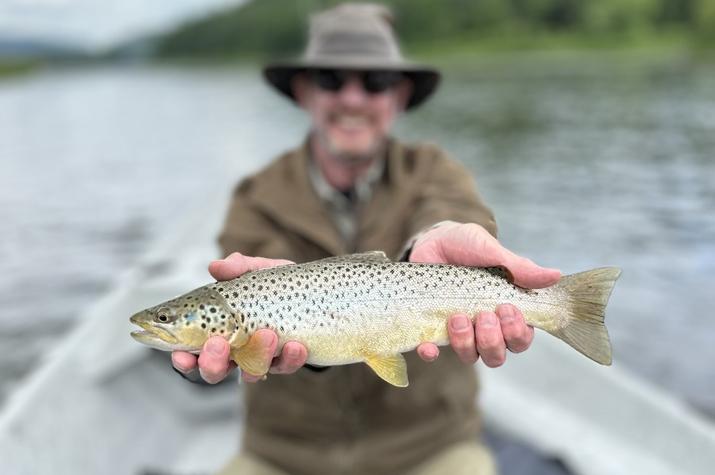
[346, 420]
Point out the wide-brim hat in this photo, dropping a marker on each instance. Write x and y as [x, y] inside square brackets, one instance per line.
[354, 36]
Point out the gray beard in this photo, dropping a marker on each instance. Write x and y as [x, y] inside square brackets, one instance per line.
[352, 159]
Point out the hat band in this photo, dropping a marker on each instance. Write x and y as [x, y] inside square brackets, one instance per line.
[353, 44]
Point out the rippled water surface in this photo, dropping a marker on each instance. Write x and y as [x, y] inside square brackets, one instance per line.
[584, 166]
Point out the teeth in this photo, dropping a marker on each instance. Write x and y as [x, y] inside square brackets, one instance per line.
[352, 120]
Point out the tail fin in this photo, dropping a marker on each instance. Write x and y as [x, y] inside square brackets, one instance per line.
[587, 294]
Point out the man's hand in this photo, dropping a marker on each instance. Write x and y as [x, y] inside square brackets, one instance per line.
[492, 332]
[214, 361]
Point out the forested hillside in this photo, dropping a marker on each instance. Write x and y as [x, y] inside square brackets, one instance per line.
[277, 27]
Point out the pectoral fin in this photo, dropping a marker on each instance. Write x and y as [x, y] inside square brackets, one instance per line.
[252, 357]
[392, 369]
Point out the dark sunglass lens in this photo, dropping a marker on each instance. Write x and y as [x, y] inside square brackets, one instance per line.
[380, 81]
[328, 79]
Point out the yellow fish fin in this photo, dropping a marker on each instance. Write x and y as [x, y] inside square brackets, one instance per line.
[251, 357]
[392, 369]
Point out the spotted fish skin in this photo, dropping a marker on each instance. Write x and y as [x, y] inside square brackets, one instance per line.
[366, 308]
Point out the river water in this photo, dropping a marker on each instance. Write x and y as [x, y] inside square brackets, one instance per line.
[585, 164]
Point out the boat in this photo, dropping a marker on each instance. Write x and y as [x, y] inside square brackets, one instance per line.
[99, 403]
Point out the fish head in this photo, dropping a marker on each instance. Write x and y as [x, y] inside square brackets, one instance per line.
[186, 322]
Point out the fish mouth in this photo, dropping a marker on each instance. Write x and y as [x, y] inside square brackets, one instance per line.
[152, 335]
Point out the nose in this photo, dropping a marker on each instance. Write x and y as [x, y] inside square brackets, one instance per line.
[353, 93]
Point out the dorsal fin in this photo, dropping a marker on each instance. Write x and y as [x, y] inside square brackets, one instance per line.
[366, 257]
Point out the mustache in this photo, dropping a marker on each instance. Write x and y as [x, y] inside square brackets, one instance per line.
[335, 115]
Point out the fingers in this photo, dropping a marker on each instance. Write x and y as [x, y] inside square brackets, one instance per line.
[428, 352]
[292, 358]
[183, 361]
[268, 342]
[495, 332]
[214, 363]
[237, 264]
[490, 336]
[461, 337]
[517, 334]
[490, 341]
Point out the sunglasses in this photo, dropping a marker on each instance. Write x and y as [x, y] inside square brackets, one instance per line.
[374, 82]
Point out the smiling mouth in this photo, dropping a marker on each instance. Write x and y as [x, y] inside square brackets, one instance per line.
[350, 121]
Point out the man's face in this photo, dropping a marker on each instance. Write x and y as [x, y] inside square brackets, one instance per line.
[352, 112]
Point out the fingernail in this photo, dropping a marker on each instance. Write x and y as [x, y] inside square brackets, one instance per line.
[488, 319]
[215, 347]
[460, 323]
[506, 312]
[290, 351]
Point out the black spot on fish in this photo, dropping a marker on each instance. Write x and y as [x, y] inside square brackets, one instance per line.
[212, 310]
[203, 325]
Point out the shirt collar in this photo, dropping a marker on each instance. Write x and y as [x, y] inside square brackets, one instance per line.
[362, 189]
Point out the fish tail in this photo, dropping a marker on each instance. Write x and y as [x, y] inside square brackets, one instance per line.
[582, 318]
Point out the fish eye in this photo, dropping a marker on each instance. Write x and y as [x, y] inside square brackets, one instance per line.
[164, 315]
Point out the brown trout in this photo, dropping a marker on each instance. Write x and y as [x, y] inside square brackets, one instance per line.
[366, 308]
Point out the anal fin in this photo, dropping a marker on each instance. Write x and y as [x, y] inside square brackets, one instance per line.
[392, 369]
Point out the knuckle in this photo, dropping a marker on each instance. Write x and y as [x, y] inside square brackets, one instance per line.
[469, 358]
[489, 349]
[517, 347]
[489, 338]
[494, 361]
[465, 350]
[210, 376]
[463, 345]
[212, 371]
[519, 344]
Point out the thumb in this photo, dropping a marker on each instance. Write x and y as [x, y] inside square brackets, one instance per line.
[237, 264]
[525, 273]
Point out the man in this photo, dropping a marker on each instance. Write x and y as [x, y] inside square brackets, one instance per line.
[352, 188]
